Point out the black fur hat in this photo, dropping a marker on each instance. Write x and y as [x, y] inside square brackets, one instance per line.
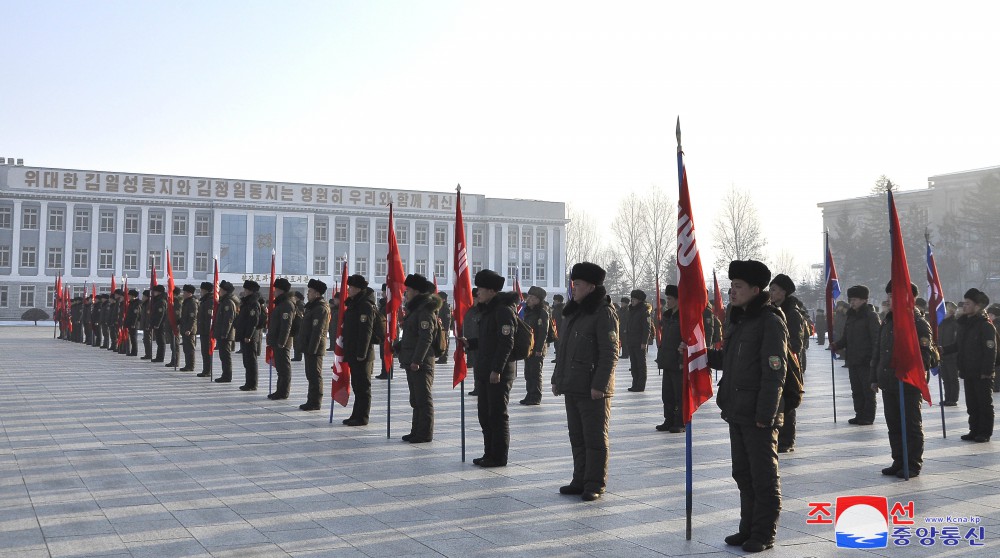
[589, 272]
[419, 282]
[538, 292]
[206, 286]
[317, 285]
[671, 290]
[357, 281]
[858, 291]
[283, 284]
[226, 286]
[159, 289]
[753, 272]
[133, 293]
[189, 289]
[785, 282]
[489, 279]
[888, 288]
[977, 296]
[251, 286]
[638, 294]
[558, 298]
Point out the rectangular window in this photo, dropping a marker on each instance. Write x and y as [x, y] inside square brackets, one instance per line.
[402, 234]
[131, 222]
[178, 261]
[155, 223]
[107, 259]
[439, 269]
[78, 291]
[477, 237]
[55, 258]
[202, 225]
[6, 217]
[421, 267]
[540, 273]
[57, 219]
[180, 224]
[81, 220]
[381, 267]
[512, 237]
[476, 268]
[541, 241]
[200, 262]
[526, 238]
[4, 256]
[233, 244]
[28, 256]
[50, 296]
[155, 261]
[361, 232]
[27, 296]
[512, 271]
[80, 258]
[29, 218]
[130, 262]
[293, 246]
[526, 271]
[340, 232]
[3, 296]
[361, 267]
[420, 236]
[319, 231]
[265, 233]
[107, 221]
[440, 235]
[319, 265]
[382, 233]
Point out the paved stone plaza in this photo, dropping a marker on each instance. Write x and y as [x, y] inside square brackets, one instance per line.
[104, 455]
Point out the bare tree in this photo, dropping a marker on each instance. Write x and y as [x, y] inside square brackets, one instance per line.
[660, 222]
[631, 235]
[785, 262]
[583, 243]
[738, 233]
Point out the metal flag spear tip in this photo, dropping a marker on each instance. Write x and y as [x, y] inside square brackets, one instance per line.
[678, 133]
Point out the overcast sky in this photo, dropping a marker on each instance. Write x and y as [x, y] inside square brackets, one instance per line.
[798, 102]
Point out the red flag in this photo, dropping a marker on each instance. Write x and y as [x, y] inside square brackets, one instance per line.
[832, 287]
[462, 290]
[269, 352]
[57, 301]
[692, 297]
[520, 298]
[123, 331]
[718, 308]
[905, 358]
[171, 315]
[340, 388]
[93, 292]
[215, 307]
[113, 286]
[68, 303]
[394, 279]
[659, 313]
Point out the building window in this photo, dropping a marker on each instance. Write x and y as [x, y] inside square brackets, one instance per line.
[4, 256]
[526, 238]
[319, 265]
[130, 262]
[420, 267]
[512, 237]
[512, 270]
[29, 218]
[439, 269]
[28, 256]
[381, 267]
[382, 233]
[526, 271]
[233, 244]
[420, 236]
[200, 262]
[319, 230]
[6, 218]
[80, 259]
[340, 232]
[202, 224]
[361, 267]
[107, 221]
[540, 273]
[178, 261]
[402, 234]
[541, 241]
[294, 260]
[57, 218]
[361, 232]
[155, 261]
[50, 296]
[81, 220]
[477, 238]
[107, 260]
[27, 296]
[476, 267]
[180, 224]
[155, 223]
[3, 296]
[55, 258]
[131, 222]
[78, 291]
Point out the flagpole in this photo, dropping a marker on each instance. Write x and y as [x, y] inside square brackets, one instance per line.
[462, 396]
[933, 301]
[828, 258]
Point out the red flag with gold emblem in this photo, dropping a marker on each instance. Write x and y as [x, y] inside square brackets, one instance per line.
[340, 389]
[462, 290]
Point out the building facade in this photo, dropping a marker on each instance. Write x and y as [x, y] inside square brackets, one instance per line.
[88, 226]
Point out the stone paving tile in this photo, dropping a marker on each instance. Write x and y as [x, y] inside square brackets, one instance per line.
[144, 461]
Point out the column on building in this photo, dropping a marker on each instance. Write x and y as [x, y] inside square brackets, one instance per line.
[251, 235]
[373, 238]
[411, 238]
[190, 247]
[16, 222]
[68, 229]
[143, 242]
[120, 239]
[311, 242]
[279, 242]
[216, 239]
[93, 261]
[352, 236]
[550, 269]
[43, 249]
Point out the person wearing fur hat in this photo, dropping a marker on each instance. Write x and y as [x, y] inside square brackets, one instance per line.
[416, 355]
[168, 331]
[132, 324]
[669, 359]
[147, 334]
[493, 371]
[884, 378]
[206, 310]
[279, 337]
[585, 375]
[223, 329]
[187, 326]
[797, 323]
[558, 303]
[639, 334]
[976, 347]
[859, 339]
[753, 361]
[538, 316]
[470, 335]
[312, 337]
[623, 307]
[248, 332]
[299, 301]
[947, 334]
[359, 353]
[158, 322]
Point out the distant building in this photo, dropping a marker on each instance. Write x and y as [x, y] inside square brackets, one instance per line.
[88, 225]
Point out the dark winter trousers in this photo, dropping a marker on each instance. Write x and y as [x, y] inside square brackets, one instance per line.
[133, 341]
[175, 342]
[188, 341]
[225, 348]
[637, 358]
[361, 384]
[283, 369]
[949, 377]
[206, 353]
[533, 378]
[314, 375]
[979, 404]
[865, 402]
[755, 470]
[672, 402]
[493, 401]
[914, 426]
[421, 401]
[786, 434]
[161, 345]
[250, 352]
[587, 420]
[147, 343]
